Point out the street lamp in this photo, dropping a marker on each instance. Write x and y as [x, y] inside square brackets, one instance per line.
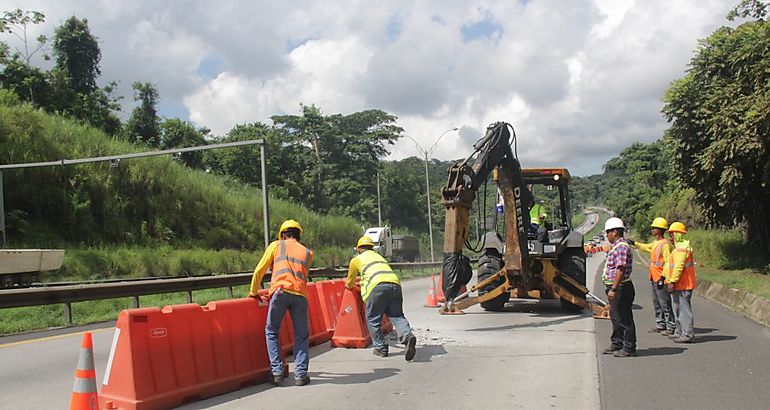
[426, 154]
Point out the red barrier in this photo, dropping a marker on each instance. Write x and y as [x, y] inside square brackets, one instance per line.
[330, 294]
[319, 333]
[351, 330]
[164, 358]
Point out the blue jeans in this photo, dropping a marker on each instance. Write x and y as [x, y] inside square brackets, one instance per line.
[386, 298]
[280, 302]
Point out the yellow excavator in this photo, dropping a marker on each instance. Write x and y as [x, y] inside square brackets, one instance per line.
[544, 260]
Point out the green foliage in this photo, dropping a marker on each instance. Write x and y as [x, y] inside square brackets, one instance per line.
[720, 122]
[755, 9]
[144, 125]
[147, 201]
[77, 55]
[725, 249]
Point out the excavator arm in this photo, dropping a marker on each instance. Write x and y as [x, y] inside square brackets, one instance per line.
[494, 157]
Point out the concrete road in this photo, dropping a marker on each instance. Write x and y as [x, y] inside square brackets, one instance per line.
[531, 357]
[728, 366]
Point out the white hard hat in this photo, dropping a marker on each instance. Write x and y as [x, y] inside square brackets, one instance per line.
[613, 223]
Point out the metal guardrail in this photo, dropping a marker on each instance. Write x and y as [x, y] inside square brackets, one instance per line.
[68, 294]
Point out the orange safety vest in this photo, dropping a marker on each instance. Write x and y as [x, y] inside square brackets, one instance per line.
[687, 280]
[290, 268]
[656, 260]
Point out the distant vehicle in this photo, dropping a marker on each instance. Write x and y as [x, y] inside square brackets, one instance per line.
[396, 248]
[22, 267]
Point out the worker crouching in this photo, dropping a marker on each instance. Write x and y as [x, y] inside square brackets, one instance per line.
[381, 291]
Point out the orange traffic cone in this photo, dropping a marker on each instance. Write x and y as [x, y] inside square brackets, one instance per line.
[84, 394]
[432, 298]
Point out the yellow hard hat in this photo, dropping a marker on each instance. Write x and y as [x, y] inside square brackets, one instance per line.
[364, 241]
[659, 222]
[289, 224]
[677, 227]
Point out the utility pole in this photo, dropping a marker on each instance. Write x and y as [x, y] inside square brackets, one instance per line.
[379, 208]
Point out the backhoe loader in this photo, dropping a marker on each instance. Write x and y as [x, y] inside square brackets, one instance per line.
[541, 261]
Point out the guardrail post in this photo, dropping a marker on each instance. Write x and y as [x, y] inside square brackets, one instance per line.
[68, 313]
[230, 292]
[189, 296]
[134, 302]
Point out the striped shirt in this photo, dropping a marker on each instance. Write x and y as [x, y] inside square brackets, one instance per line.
[618, 258]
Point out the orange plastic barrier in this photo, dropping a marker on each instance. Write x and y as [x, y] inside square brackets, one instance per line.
[330, 294]
[164, 358]
[351, 330]
[319, 333]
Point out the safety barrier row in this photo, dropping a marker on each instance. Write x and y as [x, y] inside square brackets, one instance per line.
[162, 358]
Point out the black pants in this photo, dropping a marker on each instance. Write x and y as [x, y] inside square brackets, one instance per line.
[622, 316]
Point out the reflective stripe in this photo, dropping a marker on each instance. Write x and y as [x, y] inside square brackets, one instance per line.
[371, 279]
[368, 265]
[86, 359]
[287, 270]
[689, 264]
[282, 257]
[84, 385]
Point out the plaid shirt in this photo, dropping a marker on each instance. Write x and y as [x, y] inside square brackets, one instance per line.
[618, 257]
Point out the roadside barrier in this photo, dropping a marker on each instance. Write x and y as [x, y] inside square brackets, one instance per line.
[319, 333]
[164, 358]
[330, 294]
[84, 394]
[351, 330]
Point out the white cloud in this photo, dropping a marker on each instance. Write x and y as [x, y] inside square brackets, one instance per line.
[579, 80]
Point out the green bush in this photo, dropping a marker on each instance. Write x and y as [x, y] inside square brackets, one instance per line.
[726, 249]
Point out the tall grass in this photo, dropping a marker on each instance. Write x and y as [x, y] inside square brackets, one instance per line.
[726, 249]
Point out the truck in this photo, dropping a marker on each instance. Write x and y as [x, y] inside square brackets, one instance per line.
[524, 260]
[22, 267]
[396, 248]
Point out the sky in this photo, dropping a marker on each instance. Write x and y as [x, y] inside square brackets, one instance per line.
[579, 80]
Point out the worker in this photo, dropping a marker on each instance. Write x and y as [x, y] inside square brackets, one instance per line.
[381, 291]
[659, 251]
[289, 262]
[537, 218]
[620, 291]
[680, 277]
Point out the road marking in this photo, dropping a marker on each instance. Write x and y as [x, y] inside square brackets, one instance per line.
[42, 339]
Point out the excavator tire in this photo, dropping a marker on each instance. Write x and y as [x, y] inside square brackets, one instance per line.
[572, 262]
[489, 264]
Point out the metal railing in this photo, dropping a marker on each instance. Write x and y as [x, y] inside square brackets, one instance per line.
[133, 288]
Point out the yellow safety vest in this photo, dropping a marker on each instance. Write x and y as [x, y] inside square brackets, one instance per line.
[374, 270]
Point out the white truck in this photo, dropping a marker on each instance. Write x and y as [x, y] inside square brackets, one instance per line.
[396, 248]
[22, 267]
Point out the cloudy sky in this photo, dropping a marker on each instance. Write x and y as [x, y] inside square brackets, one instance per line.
[579, 79]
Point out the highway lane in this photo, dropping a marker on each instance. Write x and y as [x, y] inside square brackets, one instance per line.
[728, 366]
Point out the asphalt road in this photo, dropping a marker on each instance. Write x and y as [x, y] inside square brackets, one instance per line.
[728, 366]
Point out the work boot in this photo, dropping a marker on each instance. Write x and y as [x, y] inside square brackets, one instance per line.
[277, 379]
[624, 353]
[381, 353]
[411, 347]
[682, 340]
[302, 380]
[667, 332]
[610, 350]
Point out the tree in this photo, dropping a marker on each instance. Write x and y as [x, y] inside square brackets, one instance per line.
[720, 125]
[19, 74]
[175, 133]
[77, 54]
[144, 125]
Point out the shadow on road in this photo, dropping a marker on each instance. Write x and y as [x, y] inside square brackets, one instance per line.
[713, 338]
[528, 325]
[637, 307]
[426, 352]
[352, 378]
[660, 351]
[699, 330]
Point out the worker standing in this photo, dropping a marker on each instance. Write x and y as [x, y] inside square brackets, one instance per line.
[289, 262]
[620, 291]
[680, 276]
[659, 251]
[381, 291]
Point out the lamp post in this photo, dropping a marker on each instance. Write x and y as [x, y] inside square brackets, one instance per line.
[426, 154]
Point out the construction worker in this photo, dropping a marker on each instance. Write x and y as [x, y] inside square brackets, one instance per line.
[659, 251]
[537, 217]
[620, 291]
[680, 277]
[289, 262]
[381, 291]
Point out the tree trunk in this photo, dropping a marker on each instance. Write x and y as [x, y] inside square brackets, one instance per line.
[759, 226]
